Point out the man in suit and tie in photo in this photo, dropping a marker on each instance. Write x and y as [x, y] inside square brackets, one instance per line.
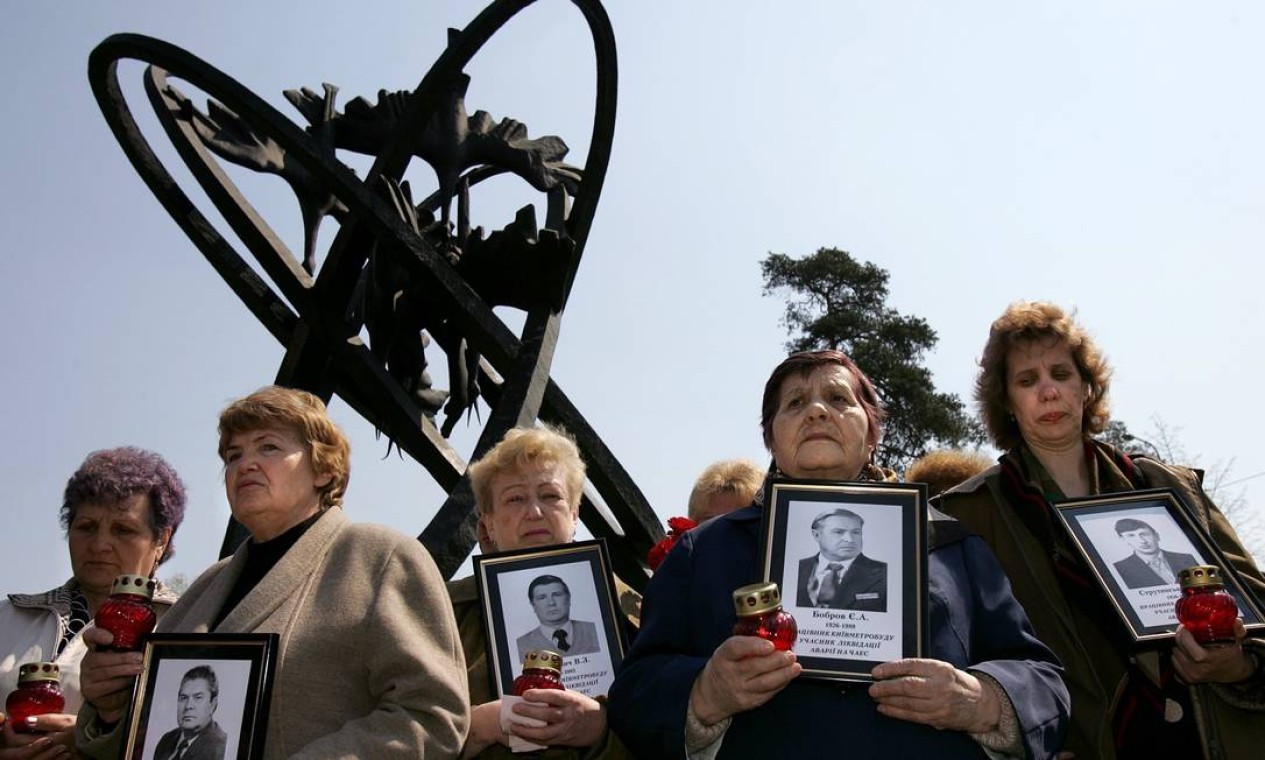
[551, 601]
[1148, 565]
[199, 737]
[839, 576]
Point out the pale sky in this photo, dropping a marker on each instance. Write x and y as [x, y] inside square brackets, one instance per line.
[1106, 156]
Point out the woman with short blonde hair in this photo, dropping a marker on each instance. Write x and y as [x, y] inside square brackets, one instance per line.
[525, 447]
[527, 490]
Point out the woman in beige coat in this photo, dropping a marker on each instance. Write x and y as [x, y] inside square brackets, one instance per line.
[370, 664]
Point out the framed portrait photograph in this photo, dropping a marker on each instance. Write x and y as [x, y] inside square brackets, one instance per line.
[1136, 544]
[202, 696]
[850, 560]
[560, 599]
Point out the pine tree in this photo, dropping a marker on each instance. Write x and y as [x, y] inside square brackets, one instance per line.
[835, 301]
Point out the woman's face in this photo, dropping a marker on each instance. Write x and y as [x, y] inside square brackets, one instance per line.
[820, 427]
[113, 538]
[1046, 393]
[270, 482]
[530, 507]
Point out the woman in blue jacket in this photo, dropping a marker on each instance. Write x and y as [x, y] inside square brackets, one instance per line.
[690, 688]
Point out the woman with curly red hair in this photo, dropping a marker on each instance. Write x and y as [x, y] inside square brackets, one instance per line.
[1042, 391]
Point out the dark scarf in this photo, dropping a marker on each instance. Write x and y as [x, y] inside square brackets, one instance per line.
[1140, 728]
[1020, 474]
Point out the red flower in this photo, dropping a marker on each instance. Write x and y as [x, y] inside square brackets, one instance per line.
[676, 528]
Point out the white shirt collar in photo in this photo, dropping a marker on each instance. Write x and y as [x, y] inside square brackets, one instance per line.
[547, 631]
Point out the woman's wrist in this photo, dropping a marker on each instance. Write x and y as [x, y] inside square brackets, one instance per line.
[988, 713]
[106, 719]
[1252, 667]
[485, 728]
[1004, 736]
[701, 706]
[705, 724]
[698, 734]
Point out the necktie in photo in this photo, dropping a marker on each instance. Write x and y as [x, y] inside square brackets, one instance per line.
[560, 636]
[181, 748]
[829, 584]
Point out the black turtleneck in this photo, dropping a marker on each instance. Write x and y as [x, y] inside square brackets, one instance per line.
[261, 557]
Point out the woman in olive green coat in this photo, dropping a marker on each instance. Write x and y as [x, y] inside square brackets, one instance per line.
[1042, 392]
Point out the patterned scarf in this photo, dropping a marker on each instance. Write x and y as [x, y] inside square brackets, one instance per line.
[67, 602]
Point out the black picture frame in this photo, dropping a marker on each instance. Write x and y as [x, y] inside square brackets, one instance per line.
[844, 638]
[1145, 603]
[510, 620]
[244, 666]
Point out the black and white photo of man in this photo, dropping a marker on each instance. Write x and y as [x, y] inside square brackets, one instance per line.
[198, 736]
[550, 599]
[840, 576]
[1148, 564]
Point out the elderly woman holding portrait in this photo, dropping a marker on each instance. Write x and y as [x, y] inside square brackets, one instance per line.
[689, 687]
[1042, 391]
[120, 511]
[369, 664]
[528, 490]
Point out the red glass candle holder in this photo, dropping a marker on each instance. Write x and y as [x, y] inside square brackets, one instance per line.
[128, 613]
[542, 669]
[38, 693]
[760, 613]
[1205, 608]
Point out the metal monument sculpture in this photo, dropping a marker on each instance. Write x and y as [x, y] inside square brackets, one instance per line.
[405, 271]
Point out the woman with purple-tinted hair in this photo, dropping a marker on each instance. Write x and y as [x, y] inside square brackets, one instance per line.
[120, 511]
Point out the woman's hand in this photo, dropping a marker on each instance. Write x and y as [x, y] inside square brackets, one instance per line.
[743, 673]
[106, 678]
[935, 693]
[572, 719]
[1223, 664]
[55, 739]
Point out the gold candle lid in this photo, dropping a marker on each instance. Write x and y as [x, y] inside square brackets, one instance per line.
[30, 672]
[1200, 576]
[137, 585]
[757, 599]
[543, 658]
